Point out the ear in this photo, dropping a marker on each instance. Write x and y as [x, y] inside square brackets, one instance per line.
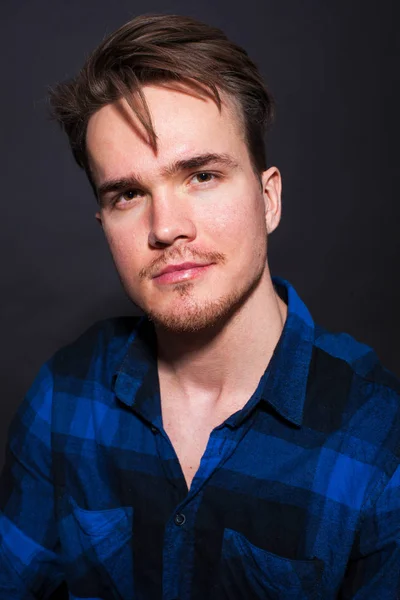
[99, 219]
[272, 190]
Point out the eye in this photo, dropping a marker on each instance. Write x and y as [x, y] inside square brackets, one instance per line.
[206, 177]
[127, 196]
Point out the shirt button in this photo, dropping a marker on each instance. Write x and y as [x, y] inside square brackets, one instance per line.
[179, 519]
[153, 429]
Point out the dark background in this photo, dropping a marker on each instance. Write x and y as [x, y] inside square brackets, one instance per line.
[333, 67]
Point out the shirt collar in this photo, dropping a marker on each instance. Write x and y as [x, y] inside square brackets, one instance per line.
[136, 381]
[283, 385]
[285, 380]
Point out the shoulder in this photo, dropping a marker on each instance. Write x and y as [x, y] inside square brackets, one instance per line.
[92, 357]
[343, 352]
[352, 396]
[80, 370]
[98, 350]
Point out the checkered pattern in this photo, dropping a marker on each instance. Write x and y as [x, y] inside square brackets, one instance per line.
[296, 497]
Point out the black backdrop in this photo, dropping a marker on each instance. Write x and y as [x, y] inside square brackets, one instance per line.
[333, 67]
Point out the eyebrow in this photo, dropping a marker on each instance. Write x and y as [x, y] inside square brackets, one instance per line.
[193, 162]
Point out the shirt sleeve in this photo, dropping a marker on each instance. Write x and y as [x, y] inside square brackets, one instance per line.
[30, 565]
[374, 572]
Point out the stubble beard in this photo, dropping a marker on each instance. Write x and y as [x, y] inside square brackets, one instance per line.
[195, 316]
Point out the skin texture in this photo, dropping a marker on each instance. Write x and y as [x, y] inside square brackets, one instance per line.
[200, 220]
[213, 320]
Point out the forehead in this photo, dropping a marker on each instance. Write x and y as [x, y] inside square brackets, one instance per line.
[184, 123]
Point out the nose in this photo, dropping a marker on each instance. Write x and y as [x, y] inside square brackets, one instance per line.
[170, 220]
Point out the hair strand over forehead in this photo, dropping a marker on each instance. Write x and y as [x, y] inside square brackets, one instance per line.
[159, 48]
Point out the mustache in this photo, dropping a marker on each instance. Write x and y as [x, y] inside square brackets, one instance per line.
[176, 254]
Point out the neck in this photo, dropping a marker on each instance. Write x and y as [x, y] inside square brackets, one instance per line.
[231, 358]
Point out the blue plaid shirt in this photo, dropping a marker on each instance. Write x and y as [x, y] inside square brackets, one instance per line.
[297, 494]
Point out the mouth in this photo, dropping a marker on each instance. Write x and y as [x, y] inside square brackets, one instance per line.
[180, 273]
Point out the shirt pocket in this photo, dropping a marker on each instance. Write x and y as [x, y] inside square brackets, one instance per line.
[97, 546]
[246, 571]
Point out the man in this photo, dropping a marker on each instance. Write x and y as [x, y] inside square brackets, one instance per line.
[222, 446]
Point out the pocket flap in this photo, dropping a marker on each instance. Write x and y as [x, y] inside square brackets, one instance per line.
[99, 523]
[247, 571]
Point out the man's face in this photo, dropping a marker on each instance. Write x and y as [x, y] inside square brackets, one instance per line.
[189, 243]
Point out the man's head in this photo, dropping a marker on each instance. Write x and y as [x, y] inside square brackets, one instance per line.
[167, 117]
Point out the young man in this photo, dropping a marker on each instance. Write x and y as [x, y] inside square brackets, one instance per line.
[223, 446]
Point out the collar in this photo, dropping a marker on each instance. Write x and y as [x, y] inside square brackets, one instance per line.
[284, 382]
[283, 385]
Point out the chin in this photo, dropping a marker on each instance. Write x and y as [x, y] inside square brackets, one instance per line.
[186, 315]
[180, 311]
[188, 322]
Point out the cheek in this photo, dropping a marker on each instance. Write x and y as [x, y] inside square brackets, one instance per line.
[239, 218]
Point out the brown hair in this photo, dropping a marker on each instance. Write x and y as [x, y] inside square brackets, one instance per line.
[164, 48]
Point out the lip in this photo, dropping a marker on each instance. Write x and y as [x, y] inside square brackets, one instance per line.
[182, 272]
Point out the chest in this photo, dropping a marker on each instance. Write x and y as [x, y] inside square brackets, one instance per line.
[254, 511]
[189, 421]
[189, 433]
